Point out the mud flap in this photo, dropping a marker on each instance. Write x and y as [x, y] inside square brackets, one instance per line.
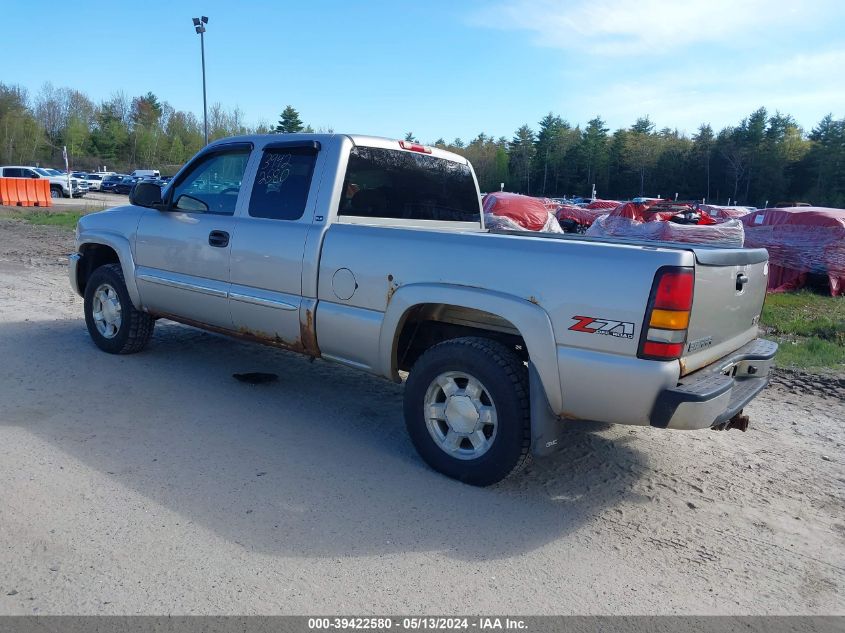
[546, 427]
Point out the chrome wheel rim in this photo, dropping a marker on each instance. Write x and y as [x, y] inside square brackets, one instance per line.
[460, 415]
[54, 193]
[106, 311]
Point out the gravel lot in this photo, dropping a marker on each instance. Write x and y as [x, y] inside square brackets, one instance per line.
[158, 484]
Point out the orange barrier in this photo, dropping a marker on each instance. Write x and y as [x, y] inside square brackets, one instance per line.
[43, 197]
[25, 192]
[23, 198]
[5, 193]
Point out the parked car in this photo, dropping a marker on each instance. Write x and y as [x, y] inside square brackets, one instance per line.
[372, 253]
[58, 183]
[84, 185]
[126, 184]
[109, 183]
[141, 173]
[92, 180]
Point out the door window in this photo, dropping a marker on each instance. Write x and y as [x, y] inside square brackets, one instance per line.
[281, 186]
[212, 184]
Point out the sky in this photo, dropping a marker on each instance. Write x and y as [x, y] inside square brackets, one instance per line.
[443, 68]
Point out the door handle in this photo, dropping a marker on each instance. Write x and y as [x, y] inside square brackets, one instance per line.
[219, 239]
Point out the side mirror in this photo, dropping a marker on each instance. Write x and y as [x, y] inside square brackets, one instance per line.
[146, 194]
[32, 175]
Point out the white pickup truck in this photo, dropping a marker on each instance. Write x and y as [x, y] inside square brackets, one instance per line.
[60, 184]
[373, 253]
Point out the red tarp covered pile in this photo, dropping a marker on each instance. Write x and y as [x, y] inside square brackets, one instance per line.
[513, 211]
[649, 221]
[724, 213]
[582, 215]
[800, 240]
[603, 204]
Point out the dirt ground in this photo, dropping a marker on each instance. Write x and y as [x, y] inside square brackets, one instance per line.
[158, 484]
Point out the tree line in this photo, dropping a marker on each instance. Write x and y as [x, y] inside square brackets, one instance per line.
[765, 157]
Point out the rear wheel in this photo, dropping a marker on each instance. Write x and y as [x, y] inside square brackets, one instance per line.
[466, 409]
[115, 325]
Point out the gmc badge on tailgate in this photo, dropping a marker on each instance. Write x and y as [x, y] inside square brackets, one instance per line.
[701, 343]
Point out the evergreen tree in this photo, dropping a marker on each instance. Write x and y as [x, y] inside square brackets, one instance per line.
[593, 152]
[642, 149]
[703, 142]
[521, 154]
[289, 121]
[551, 129]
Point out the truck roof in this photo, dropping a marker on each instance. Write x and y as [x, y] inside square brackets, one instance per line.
[357, 139]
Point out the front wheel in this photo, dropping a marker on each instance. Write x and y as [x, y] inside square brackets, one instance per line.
[55, 192]
[466, 409]
[115, 325]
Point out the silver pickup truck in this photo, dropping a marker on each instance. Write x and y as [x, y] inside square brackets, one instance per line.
[373, 253]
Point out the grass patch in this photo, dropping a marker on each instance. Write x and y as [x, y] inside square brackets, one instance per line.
[66, 220]
[810, 329]
[813, 353]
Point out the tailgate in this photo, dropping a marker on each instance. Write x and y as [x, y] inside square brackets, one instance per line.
[730, 287]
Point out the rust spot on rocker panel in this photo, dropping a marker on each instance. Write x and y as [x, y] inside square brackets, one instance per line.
[245, 334]
[308, 334]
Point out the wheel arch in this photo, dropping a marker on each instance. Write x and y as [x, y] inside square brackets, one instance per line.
[104, 248]
[529, 321]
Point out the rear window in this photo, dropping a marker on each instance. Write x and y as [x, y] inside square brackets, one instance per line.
[386, 183]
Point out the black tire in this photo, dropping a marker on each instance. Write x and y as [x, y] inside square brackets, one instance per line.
[505, 378]
[56, 192]
[136, 327]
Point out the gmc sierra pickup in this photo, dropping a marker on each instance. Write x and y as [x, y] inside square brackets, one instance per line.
[373, 253]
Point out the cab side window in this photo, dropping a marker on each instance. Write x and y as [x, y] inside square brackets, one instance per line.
[212, 184]
[281, 186]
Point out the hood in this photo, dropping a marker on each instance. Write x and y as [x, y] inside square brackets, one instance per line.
[122, 220]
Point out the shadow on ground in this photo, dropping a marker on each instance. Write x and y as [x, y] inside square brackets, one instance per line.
[316, 464]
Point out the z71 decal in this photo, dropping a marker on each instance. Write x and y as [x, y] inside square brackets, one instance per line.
[608, 327]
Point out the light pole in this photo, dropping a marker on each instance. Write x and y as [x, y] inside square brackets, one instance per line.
[199, 26]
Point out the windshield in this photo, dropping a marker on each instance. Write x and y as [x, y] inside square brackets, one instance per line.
[53, 172]
[43, 172]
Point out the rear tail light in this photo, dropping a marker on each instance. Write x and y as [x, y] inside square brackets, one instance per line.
[414, 147]
[667, 317]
